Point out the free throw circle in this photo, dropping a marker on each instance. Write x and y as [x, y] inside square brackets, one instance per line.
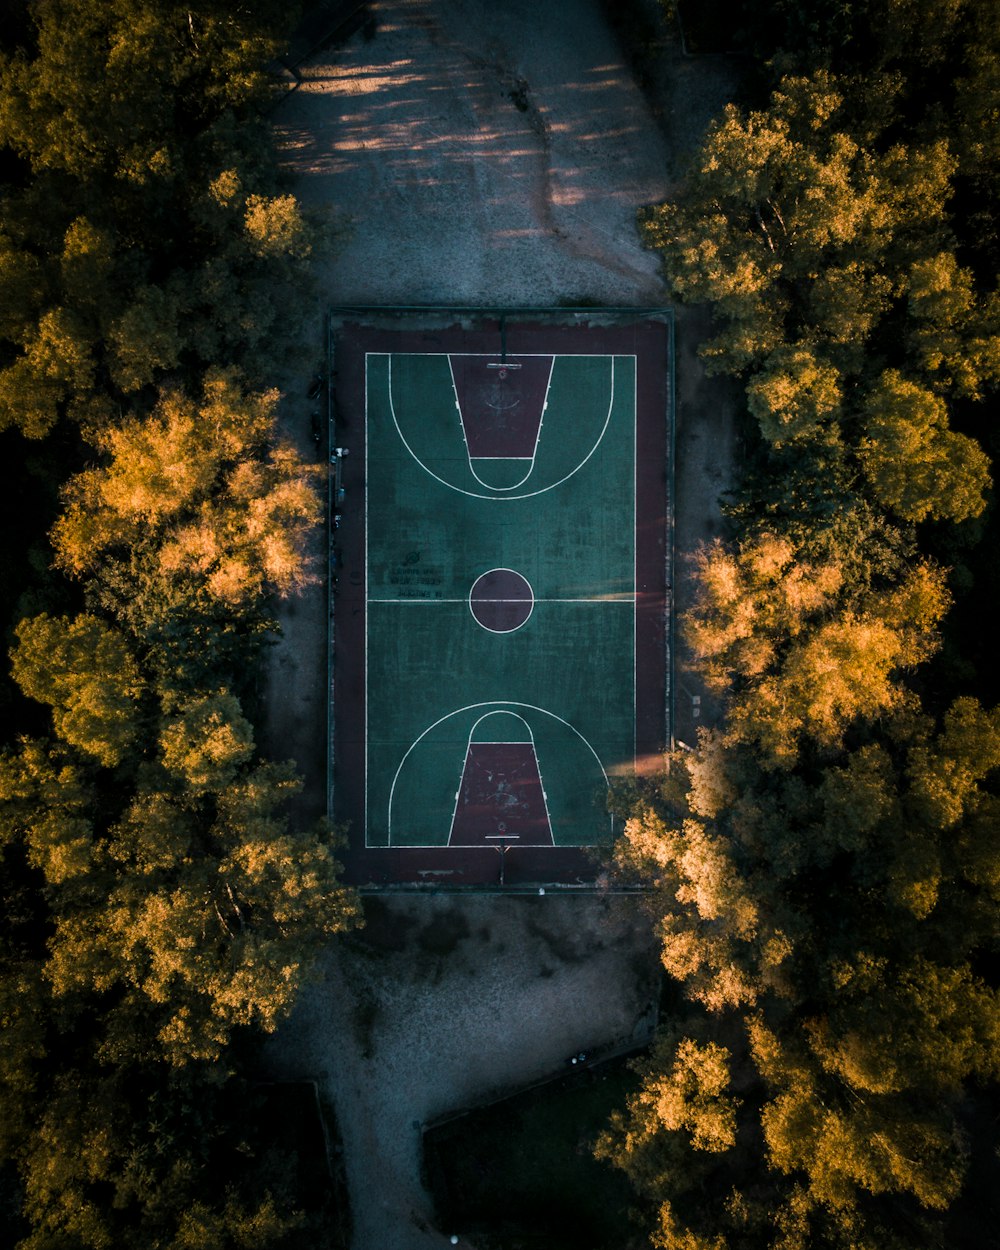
[501, 600]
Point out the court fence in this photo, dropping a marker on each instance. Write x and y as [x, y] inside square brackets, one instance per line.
[588, 314]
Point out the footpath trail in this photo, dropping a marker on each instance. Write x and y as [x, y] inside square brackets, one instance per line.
[477, 153]
[444, 1002]
[483, 153]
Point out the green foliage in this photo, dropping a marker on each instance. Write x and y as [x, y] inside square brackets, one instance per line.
[159, 906]
[821, 874]
[85, 672]
[685, 1090]
[205, 908]
[205, 743]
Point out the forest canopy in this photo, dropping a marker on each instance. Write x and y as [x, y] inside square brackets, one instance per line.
[162, 904]
[824, 862]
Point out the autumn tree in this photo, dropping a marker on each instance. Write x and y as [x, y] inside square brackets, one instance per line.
[195, 516]
[828, 928]
[132, 1157]
[153, 233]
[160, 908]
[915, 465]
[810, 244]
[803, 646]
[820, 868]
[85, 672]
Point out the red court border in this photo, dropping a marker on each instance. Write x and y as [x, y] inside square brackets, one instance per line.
[649, 339]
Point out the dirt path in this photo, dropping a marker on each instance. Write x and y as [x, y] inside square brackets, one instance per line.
[484, 152]
[443, 1002]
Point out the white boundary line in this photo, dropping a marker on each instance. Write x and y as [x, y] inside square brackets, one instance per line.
[538, 769]
[514, 630]
[500, 705]
[474, 494]
[367, 562]
[633, 600]
[538, 433]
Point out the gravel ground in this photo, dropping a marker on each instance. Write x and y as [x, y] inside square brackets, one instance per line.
[480, 152]
[442, 1003]
[483, 153]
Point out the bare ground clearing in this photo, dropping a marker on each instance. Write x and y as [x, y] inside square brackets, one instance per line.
[484, 154]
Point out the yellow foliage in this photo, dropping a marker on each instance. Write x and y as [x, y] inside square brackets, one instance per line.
[712, 884]
[158, 466]
[224, 511]
[793, 394]
[691, 1097]
[84, 670]
[914, 463]
[710, 788]
[207, 741]
[226, 187]
[275, 226]
[672, 1235]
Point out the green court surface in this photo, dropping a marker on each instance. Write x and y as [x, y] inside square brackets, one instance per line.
[534, 681]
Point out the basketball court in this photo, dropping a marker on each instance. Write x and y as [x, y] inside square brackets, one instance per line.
[501, 547]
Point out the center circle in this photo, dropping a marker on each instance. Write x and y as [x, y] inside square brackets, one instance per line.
[501, 600]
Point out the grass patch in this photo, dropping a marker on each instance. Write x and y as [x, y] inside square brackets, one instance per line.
[520, 1175]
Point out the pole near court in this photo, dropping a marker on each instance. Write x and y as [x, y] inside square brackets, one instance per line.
[503, 848]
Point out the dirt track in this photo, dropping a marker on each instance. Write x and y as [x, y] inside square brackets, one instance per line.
[485, 154]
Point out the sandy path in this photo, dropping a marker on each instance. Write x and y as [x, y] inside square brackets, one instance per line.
[484, 153]
[444, 1003]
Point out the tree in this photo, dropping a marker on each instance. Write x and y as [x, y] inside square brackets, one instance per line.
[207, 741]
[197, 514]
[819, 868]
[793, 394]
[136, 75]
[84, 670]
[828, 921]
[916, 466]
[821, 252]
[804, 649]
[204, 909]
[123, 260]
[158, 904]
[140, 1156]
[781, 195]
[48, 797]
